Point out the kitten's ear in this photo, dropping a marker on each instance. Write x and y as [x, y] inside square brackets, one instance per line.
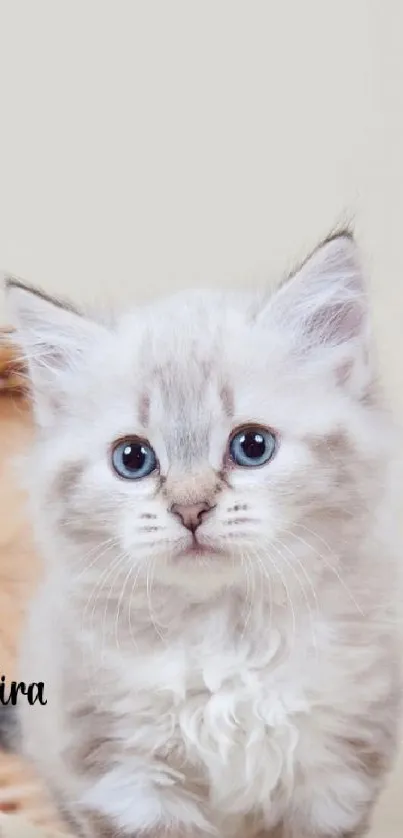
[53, 340]
[324, 309]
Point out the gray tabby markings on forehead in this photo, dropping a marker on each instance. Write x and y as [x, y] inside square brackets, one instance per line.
[227, 398]
[144, 410]
[185, 419]
[180, 383]
[183, 397]
[188, 445]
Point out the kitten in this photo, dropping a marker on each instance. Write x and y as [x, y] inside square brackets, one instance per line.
[212, 490]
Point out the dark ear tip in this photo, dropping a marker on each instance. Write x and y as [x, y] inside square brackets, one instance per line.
[340, 232]
[11, 282]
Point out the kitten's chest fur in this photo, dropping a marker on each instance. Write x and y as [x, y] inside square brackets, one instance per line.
[223, 706]
[233, 706]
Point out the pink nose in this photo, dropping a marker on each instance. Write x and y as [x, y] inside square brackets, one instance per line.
[191, 514]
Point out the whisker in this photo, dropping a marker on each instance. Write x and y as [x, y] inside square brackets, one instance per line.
[283, 581]
[120, 604]
[94, 597]
[267, 576]
[117, 570]
[293, 570]
[130, 608]
[108, 544]
[328, 565]
[149, 601]
[304, 572]
[248, 567]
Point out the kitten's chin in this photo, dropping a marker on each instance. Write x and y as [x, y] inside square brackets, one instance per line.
[202, 572]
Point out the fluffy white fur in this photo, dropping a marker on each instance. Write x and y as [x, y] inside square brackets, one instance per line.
[250, 691]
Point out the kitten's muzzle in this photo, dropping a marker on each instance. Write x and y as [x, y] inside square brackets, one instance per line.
[192, 514]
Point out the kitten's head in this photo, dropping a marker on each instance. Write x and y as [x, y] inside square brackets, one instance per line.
[196, 434]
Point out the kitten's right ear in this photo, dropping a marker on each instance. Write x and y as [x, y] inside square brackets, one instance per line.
[323, 310]
[53, 339]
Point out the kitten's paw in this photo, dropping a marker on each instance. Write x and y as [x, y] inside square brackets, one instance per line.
[138, 805]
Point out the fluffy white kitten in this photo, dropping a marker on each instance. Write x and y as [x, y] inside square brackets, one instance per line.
[211, 490]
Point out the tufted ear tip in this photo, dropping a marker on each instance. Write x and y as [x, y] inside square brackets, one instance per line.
[25, 300]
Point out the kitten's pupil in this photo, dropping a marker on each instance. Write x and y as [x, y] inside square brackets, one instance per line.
[133, 457]
[253, 445]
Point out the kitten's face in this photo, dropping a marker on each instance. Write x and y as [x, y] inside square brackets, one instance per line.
[197, 434]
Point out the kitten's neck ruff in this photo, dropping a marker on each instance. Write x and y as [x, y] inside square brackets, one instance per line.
[132, 604]
[150, 614]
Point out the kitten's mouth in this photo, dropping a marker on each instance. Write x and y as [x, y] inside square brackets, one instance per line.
[197, 549]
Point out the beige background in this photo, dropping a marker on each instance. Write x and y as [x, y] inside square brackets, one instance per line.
[150, 145]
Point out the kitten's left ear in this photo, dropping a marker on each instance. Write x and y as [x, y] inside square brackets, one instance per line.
[53, 339]
[323, 310]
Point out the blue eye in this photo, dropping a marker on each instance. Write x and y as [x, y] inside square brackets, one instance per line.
[252, 447]
[133, 459]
